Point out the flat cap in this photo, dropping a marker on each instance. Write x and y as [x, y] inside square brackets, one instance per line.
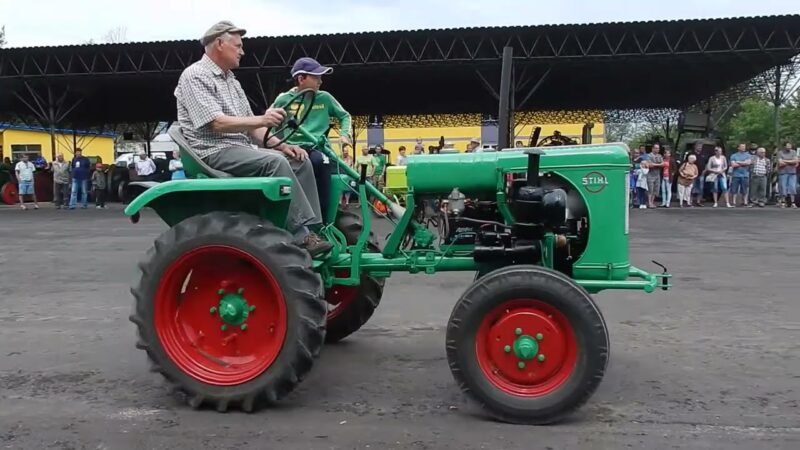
[220, 28]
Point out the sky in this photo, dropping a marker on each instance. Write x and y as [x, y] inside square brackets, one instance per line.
[64, 22]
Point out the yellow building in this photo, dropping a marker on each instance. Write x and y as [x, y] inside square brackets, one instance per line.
[396, 132]
[16, 140]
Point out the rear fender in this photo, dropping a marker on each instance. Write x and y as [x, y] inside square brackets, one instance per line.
[177, 200]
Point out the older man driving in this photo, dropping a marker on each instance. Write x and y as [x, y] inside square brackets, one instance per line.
[216, 119]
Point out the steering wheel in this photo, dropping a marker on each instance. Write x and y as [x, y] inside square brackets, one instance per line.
[306, 99]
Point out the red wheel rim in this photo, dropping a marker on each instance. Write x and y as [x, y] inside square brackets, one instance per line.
[8, 193]
[555, 357]
[340, 297]
[192, 335]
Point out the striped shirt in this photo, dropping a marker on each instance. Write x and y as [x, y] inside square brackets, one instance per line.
[204, 93]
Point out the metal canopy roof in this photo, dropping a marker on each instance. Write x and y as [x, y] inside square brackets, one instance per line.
[656, 64]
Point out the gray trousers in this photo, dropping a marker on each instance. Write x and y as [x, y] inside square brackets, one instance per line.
[249, 162]
[60, 194]
[758, 189]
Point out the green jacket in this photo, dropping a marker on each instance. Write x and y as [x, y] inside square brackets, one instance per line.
[318, 120]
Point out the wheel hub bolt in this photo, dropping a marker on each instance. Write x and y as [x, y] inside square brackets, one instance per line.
[521, 365]
[213, 310]
[539, 336]
[541, 358]
[507, 349]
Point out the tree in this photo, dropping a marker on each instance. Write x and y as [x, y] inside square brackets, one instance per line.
[116, 35]
[754, 121]
[2, 36]
[619, 132]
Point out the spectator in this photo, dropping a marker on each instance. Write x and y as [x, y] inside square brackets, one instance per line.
[80, 179]
[701, 160]
[60, 181]
[641, 177]
[401, 156]
[654, 174]
[687, 173]
[760, 172]
[380, 164]
[787, 175]
[475, 143]
[99, 186]
[348, 160]
[418, 147]
[716, 168]
[666, 179]
[635, 162]
[176, 166]
[641, 183]
[368, 160]
[740, 178]
[145, 167]
[25, 170]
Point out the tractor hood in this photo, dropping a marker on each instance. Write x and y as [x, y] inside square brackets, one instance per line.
[478, 172]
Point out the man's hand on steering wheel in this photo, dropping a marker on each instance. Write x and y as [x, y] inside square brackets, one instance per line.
[273, 117]
[290, 122]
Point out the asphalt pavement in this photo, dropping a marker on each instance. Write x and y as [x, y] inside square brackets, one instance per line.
[713, 363]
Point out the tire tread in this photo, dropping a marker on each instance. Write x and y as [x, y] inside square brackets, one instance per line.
[302, 290]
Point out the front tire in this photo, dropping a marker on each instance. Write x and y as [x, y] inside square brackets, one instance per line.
[229, 311]
[528, 344]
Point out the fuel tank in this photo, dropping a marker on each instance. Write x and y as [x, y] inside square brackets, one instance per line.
[475, 173]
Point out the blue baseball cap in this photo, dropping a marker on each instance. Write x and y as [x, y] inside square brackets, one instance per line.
[309, 66]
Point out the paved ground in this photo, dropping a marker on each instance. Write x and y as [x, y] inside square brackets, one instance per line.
[715, 363]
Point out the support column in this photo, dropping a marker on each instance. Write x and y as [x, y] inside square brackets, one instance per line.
[375, 133]
[488, 131]
[51, 114]
[504, 114]
[147, 130]
[777, 107]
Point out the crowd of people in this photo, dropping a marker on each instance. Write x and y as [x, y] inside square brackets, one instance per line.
[746, 177]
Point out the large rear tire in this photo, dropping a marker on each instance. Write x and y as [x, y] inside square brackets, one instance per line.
[528, 344]
[350, 307]
[9, 193]
[229, 311]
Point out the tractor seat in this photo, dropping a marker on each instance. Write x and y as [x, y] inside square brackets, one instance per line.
[192, 163]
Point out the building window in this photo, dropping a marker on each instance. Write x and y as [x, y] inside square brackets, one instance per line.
[32, 150]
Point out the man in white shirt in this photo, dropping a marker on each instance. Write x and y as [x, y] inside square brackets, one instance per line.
[24, 171]
[145, 167]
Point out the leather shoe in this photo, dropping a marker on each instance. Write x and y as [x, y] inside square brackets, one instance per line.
[315, 245]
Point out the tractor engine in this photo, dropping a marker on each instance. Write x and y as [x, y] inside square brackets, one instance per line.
[476, 219]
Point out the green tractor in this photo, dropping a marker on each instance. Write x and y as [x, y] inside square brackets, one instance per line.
[234, 315]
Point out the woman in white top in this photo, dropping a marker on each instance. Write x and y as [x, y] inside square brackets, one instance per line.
[716, 168]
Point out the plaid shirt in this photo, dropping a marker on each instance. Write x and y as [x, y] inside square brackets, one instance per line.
[761, 166]
[204, 93]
